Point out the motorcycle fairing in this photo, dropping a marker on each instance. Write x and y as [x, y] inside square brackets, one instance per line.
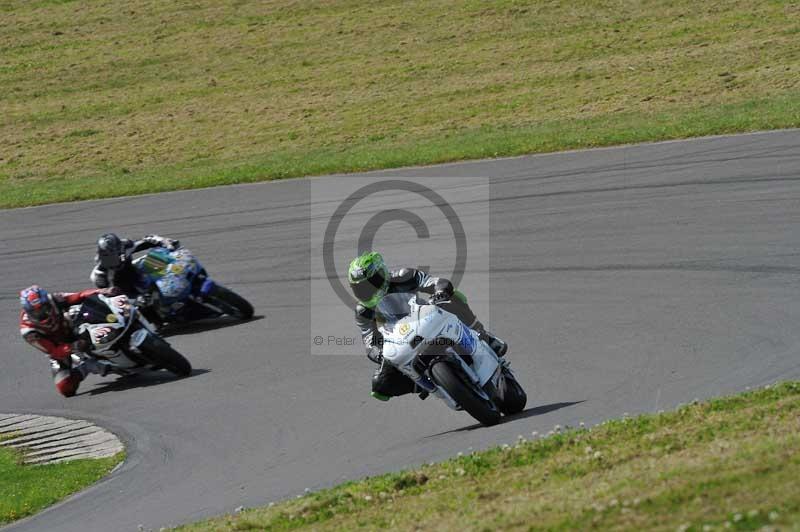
[430, 322]
[172, 272]
[104, 319]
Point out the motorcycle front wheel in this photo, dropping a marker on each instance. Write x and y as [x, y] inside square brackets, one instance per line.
[463, 393]
[160, 353]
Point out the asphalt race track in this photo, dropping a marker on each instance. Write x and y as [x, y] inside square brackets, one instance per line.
[626, 280]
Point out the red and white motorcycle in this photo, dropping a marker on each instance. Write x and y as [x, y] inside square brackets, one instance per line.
[121, 338]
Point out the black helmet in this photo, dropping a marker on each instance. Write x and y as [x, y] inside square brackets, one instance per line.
[109, 251]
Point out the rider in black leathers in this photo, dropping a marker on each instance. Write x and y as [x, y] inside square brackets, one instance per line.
[113, 262]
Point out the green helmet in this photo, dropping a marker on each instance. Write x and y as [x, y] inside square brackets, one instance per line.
[369, 278]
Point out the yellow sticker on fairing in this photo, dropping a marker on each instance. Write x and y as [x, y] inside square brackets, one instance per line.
[111, 318]
[176, 268]
[405, 329]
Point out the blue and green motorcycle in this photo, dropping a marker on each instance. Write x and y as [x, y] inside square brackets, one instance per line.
[175, 287]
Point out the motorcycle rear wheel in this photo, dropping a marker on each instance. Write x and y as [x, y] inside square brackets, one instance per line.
[230, 302]
[463, 393]
[514, 397]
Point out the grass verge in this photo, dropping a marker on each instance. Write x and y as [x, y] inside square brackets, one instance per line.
[124, 97]
[729, 463]
[26, 489]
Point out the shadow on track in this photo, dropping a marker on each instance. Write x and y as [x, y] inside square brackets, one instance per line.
[528, 412]
[539, 410]
[141, 380]
[210, 324]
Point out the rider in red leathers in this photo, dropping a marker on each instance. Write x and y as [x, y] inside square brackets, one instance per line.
[44, 325]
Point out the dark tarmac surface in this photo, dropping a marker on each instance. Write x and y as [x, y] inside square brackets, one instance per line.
[626, 280]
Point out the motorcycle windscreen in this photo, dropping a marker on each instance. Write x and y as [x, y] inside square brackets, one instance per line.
[155, 262]
[92, 310]
[394, 307]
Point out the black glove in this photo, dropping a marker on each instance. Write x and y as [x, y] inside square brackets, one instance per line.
[443, 292]
[375, 354]
[80, 346]
[173, 244]
[440, 297]
[143, 300]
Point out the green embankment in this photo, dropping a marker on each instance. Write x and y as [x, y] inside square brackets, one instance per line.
[26, 489]
[730, 463]
[102, 98]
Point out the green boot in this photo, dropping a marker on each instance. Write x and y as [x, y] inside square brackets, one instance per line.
[380, 396]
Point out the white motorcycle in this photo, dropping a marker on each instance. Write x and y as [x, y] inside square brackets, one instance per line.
[122, 339]
[446, 358]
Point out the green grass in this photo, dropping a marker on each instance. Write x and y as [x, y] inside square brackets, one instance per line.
[729, 463]
[118, 97]
[26, 489]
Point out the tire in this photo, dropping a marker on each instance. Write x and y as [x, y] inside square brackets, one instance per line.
[514, 397]
[451, 380]
[230, 303]
[160, 353]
